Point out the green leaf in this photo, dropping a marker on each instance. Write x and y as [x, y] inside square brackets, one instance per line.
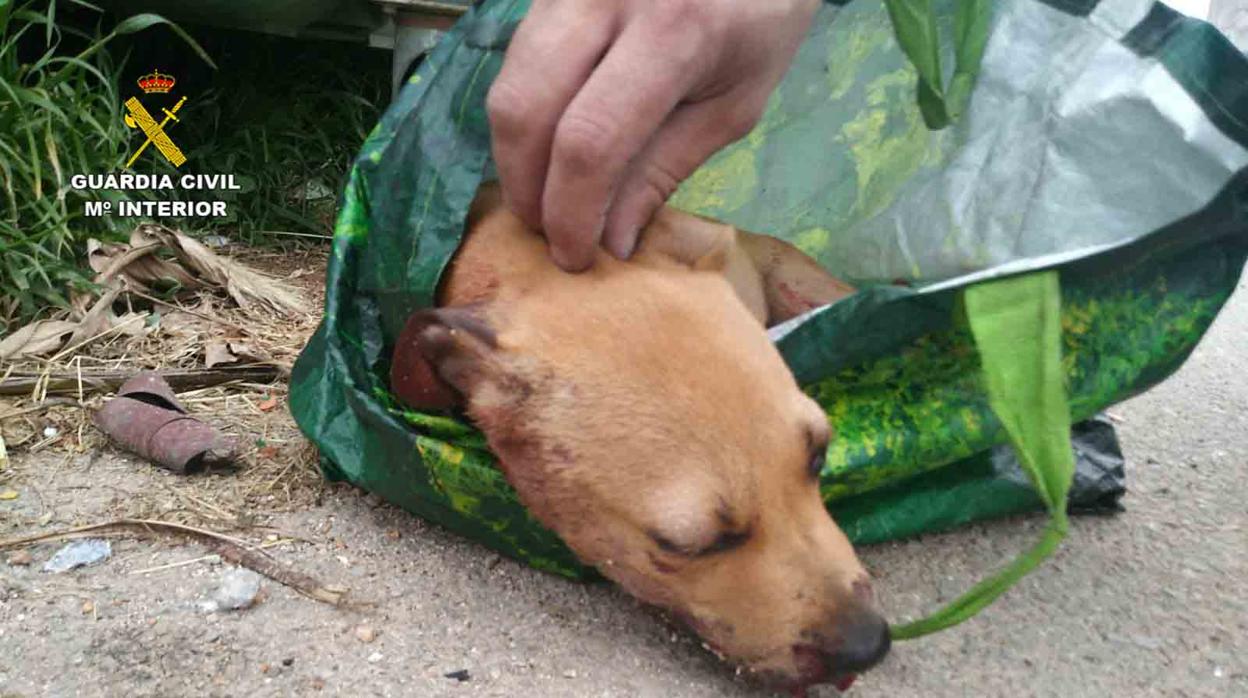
[1016, 323]
[133, 24]
[89, 6]
[145, 20]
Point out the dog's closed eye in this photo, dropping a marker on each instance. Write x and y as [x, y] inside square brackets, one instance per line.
[818, 440]
[726, 540]
[817, 460]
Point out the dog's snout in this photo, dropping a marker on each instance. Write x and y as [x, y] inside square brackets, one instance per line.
[862, 645]
[857, 646]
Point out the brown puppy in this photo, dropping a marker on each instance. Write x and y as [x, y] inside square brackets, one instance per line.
[641, 412]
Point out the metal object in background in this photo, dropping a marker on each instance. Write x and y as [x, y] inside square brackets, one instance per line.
[408, 27]
[412, 29]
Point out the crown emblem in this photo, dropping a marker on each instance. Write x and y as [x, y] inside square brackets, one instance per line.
[156, 82]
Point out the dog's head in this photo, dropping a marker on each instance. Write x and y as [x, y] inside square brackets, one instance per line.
[643, 415]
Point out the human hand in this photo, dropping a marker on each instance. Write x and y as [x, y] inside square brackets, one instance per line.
[603, 107]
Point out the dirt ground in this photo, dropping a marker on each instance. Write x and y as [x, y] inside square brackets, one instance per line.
[1148, 603]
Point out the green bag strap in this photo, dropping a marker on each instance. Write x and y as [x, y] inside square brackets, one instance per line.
[1016, 323]
[914, 24]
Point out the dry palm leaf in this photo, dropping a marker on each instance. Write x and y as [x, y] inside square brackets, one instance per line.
[137, 264]
[135, 269]
[37, 338]
[245, 285]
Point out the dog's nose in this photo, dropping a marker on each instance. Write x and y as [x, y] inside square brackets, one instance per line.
[855, 646]
[863, 643]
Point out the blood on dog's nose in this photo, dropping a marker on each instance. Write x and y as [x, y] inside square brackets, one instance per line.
[858, 645]
[863, 644]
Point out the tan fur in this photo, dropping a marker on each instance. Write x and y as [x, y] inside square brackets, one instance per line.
[641, 412]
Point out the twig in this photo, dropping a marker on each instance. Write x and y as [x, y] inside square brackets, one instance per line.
[262, 388]
[202, 400]
[143, 524]
[45, 442]
[65, 383]
[40, 391]
[274, 481]
[46, 404]
[222, 514]
[88, 340]
[229, 548]
[291, 233]
[202, 558]
[188, 311]
[78, 364]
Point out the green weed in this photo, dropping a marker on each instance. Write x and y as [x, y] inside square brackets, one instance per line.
[285, 117]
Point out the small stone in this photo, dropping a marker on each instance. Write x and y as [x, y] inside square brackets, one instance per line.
[1218, 672]
[288, 661]
[20, 558]
[365, 634]
[240, 589]
[88, 606]
[460, 675]
[79, 553]
[393, 534]
[265, 667]
[569, 674]
[317, 683]
[375, 657]
[49, 432]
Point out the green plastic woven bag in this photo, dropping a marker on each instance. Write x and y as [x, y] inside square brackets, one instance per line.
[1104, 142]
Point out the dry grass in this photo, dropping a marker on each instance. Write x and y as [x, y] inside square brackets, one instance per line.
[276, 469]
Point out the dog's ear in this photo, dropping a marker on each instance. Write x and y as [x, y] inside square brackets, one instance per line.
[440, 356]
[700, 243]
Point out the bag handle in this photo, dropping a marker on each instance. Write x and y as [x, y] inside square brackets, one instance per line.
[914, 24]
[1016, 323]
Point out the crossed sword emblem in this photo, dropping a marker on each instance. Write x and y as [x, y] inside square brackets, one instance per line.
[138, 117]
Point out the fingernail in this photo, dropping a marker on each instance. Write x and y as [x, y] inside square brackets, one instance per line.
[621, 246]
[568, 262]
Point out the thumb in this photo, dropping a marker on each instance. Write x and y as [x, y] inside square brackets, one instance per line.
[689, 136]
